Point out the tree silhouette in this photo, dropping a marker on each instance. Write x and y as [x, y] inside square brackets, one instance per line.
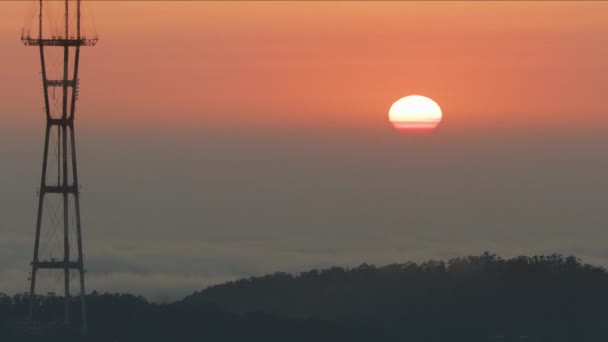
[476, 298]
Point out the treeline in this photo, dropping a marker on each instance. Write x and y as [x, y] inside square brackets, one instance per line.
[479, 298]
[127, 318]
[536, 283]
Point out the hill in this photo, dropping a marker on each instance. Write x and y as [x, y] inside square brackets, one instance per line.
[479, 298]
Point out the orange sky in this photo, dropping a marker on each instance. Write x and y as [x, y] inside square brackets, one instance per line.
[331, 63]
[250, 137]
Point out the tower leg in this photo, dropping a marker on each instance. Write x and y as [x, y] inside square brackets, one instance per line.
[78, 230]
[39, 221]
[66, 232]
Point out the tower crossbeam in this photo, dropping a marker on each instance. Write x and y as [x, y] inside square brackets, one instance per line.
[60, 83]
[54, 264]
[28, 41]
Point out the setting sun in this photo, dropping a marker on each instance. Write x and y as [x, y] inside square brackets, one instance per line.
[415, 113]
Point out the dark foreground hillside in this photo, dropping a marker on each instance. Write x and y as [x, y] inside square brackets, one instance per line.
[483, 298]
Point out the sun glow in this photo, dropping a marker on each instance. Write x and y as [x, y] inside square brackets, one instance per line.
[415, 113]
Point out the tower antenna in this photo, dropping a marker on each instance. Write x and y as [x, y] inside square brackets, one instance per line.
[60, 119]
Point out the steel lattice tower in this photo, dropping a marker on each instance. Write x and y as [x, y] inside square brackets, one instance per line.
[61, 121]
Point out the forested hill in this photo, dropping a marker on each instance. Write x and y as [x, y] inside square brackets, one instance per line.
[481, 298]
[474, 289]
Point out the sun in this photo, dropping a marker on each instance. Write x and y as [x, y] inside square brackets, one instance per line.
[415, 113]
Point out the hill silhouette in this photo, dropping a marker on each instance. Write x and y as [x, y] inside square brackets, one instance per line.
[477, 298]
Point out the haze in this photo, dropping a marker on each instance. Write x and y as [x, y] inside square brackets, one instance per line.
[220, 140]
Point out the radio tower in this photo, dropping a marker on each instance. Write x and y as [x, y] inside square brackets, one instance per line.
[60, 121]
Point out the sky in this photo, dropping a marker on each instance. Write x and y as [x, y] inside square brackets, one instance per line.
[221, 140]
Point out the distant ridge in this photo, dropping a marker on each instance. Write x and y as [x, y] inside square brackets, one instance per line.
[469, 286]
[478, 298]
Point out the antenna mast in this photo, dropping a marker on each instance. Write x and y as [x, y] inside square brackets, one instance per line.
[60, 119]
